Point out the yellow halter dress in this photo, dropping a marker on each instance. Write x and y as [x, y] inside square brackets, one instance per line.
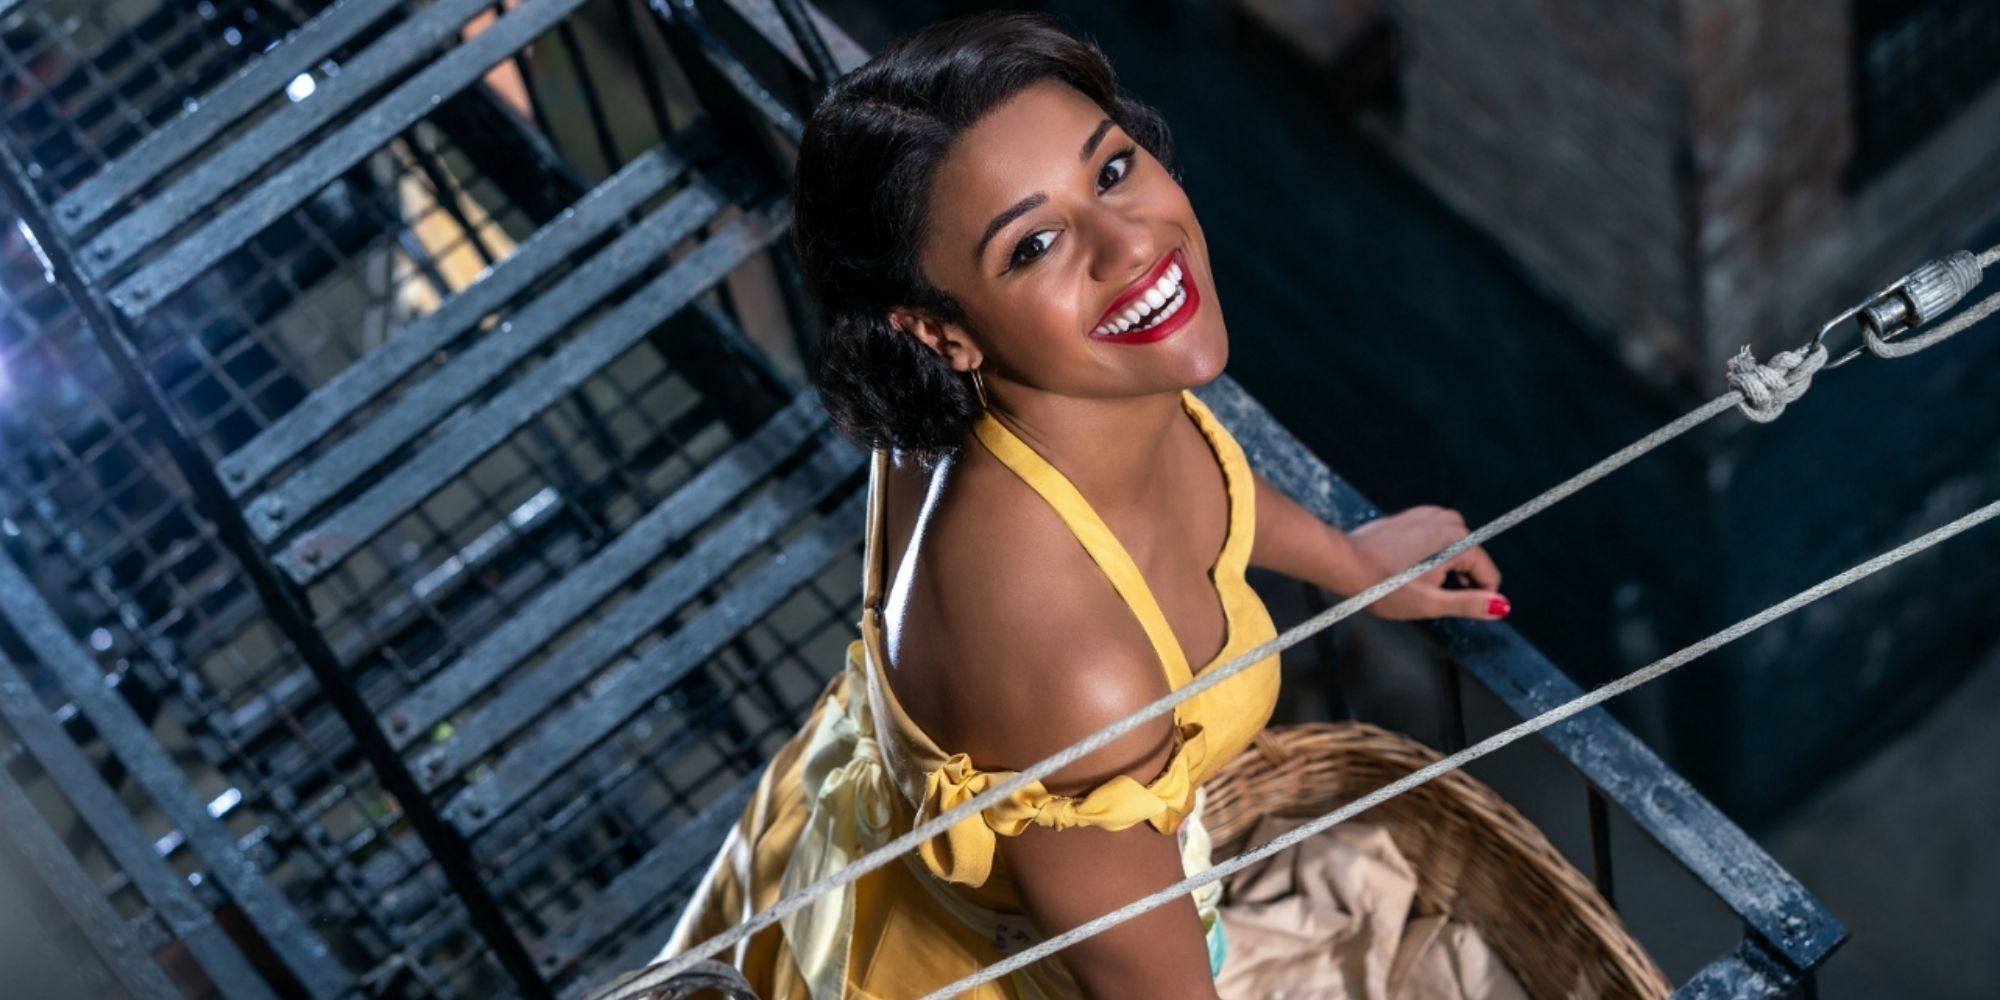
[860, 772]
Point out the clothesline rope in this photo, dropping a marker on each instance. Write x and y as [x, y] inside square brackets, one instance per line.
[1761, 390]
[1653, 671]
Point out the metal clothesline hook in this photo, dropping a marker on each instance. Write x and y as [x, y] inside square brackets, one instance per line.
[1910, 301]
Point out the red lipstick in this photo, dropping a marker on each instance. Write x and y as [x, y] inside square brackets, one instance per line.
[1178, 301]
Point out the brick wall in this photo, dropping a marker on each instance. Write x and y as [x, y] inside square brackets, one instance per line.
[1676, 168]
[1555, 125]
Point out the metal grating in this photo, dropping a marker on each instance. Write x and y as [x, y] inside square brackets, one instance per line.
[551, 514]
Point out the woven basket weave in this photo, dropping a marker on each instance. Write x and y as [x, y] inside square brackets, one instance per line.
[1476, 858]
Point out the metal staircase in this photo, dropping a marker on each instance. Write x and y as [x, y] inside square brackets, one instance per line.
[456, 551]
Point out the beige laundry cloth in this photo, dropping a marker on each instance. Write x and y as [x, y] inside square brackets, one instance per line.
[1336, 917]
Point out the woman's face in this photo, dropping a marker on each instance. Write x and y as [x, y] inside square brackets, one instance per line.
[1052, 228]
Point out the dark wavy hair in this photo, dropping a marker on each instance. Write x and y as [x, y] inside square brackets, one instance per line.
[860, 195]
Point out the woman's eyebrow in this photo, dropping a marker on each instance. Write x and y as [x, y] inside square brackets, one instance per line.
[1018, 209]
[1090, 144]
[1029, 203]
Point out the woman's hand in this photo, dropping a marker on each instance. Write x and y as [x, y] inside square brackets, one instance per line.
[1388, 545]
[1292, 541]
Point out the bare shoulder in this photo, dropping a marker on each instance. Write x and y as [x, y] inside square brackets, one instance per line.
[1023, 644]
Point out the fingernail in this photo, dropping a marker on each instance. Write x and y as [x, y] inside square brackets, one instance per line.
[1498, 607]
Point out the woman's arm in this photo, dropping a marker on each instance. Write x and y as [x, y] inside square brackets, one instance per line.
[1293, 541]
[1046, 659]
[1069, 877]
[1082, 874]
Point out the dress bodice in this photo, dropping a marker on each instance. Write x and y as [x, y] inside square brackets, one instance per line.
[1210, 728]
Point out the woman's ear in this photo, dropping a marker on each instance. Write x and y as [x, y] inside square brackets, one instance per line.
[947, 340]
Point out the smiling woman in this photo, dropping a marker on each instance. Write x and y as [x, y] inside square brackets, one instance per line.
[877, 153]
[1018, 298]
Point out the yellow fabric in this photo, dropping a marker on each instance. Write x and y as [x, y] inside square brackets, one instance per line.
[860, 772]
[965, 853]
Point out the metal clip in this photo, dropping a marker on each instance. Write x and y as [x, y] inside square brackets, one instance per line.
[1910, 301]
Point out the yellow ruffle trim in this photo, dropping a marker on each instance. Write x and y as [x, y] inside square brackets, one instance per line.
[964, 853]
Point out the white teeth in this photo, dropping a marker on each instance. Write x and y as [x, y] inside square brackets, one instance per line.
[1155, 304]
[1173, 306]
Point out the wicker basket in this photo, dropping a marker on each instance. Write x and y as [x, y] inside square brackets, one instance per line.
[1476, 858]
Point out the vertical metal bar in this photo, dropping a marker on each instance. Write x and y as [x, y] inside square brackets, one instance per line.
[593, 102]
[445, 193]
[1337, 702]
[521, 66]
[649, 81]
[695, 342]
[799, 308]
[733, 340]
[1600, 843]
[1451, 708]
[733, 97]
[818, 56]
[515, 155]
[286, 604]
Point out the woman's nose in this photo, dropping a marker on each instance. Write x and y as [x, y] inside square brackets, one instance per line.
[1123, 248]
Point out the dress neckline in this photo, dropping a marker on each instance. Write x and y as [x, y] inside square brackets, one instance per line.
[1111, 555]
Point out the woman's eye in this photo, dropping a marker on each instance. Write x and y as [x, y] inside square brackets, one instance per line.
[1115, 169]
[1037, 244]
[1032, 247]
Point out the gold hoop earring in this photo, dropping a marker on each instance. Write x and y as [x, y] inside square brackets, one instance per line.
[979, 388]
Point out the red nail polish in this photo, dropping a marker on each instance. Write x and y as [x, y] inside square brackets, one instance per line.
[1498, 607]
